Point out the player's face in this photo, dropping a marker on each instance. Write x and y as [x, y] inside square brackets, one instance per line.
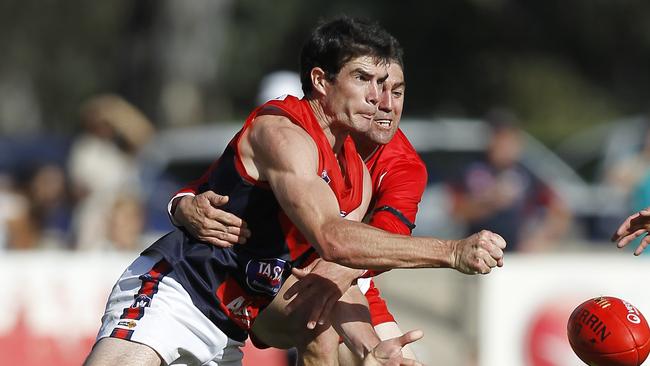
[353, 97]
[389, 111]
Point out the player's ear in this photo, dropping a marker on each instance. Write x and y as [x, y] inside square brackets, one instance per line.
[318, 80]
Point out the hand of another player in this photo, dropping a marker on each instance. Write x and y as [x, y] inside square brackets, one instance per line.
[633, 227]
[479, 253]
[201, 217]
[320, 286]
[389, 352]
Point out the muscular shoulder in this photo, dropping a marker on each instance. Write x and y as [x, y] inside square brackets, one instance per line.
[273, 128]
[273, 140]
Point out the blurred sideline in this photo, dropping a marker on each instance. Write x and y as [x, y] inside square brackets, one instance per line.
[51, 304]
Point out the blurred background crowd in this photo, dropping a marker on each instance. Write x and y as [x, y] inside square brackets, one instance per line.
[531, 116]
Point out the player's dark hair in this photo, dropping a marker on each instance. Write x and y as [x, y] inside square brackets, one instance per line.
[398, 56]
[335, 42]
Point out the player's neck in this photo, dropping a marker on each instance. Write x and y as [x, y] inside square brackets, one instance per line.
[365, 147]
[335, 134]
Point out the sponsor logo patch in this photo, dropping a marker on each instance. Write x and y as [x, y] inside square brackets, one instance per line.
[127, 323]
[265, 275]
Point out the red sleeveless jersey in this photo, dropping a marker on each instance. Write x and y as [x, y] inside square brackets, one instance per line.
[231, 285]
[348, 187]
[399, 178]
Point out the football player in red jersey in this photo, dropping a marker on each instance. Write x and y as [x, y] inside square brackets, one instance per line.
[398, 181]
[195, 302]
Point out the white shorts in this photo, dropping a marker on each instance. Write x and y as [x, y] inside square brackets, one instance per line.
[148, 306]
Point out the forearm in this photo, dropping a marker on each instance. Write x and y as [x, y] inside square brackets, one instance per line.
[275, 327]
[351, 319]
[358, 245]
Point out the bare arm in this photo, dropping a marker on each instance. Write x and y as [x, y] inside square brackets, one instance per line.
[282, 328]
[278, 327]
[286, 157]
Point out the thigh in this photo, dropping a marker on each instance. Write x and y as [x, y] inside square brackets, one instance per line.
[321, 351]
[114, 351]
[273, 326]
[276, 328]
[346, 357]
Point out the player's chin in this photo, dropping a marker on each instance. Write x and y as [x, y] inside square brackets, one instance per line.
[380, 137]
[361, 124]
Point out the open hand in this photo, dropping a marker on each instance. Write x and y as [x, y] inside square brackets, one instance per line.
[201, 217]
[633, 227]
[320, 286]
[389, 352]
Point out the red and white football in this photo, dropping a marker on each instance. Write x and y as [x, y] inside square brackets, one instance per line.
[607, 331]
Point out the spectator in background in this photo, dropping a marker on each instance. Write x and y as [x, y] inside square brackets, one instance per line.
[50, 210]
[15, 231]
[34, 208]
[500, 195]
[103, 166]
[126, 224]
[631, 175]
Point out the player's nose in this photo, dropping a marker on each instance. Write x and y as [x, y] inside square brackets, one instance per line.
[374, 93]
[386, 101]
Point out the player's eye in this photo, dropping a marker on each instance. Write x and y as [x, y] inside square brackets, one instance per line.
[363, 77]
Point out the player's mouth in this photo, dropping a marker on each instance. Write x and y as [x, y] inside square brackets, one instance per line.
[383, 123]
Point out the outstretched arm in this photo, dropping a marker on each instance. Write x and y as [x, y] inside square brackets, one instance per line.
[287, 158]
[634, 226]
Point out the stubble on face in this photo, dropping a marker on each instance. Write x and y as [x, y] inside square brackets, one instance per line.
[389, 113]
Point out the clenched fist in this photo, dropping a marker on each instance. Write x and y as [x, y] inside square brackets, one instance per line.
[479, 253]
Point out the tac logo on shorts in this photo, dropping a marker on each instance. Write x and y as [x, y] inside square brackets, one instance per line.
[127, 323]
[142, 301]
[265, 275]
